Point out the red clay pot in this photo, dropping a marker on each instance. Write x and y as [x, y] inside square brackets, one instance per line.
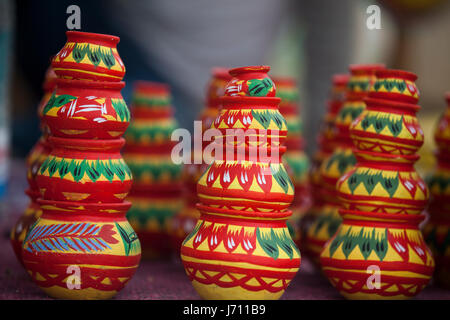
[89, 56]
[80, 109]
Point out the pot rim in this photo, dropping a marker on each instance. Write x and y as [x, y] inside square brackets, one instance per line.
[409, 157]
[77, 35]
[89, 84]
[234, 72]
[396, 73]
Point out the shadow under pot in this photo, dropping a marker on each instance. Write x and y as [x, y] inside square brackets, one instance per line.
[85, 170]
[90, 56]
[81, 250]
[87, 110]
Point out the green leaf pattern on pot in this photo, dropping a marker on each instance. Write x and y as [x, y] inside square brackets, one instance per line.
[129, 239]
[342, 160]
[350, 112]
[119, 105]
[379, 121]
[370, 180]
[93, 168]
[57, 101]
[271, 242]
[367, 239]
[138, 132]
[281, 177]
[390, 84]
[264, 117]
[259, 87]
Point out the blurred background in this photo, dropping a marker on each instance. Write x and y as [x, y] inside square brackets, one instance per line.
[179, 41]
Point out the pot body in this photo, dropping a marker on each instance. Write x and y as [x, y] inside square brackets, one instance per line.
[87, 110]
[237, 255]
[85, 170]
[387, 127]
[382, 183]
[89, 56]
[81, 251]
[378, 256]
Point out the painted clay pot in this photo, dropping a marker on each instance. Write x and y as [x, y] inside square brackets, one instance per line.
[89, 242]
[369, 242]
[82, 109]
[395, 85]
[383, 183]
[341, 160]
[382, 198]
[250, 82]
[29, 217]
[241, 247]
[84, 170]
[89, 56]
[240, 255]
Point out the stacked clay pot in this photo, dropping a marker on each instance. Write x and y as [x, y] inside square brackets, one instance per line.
[157, 185]
[184, 222]
[326, 141]
[296, 160]
[437, 229]
[341, 159]
[240, 247]
[382, 198]
[33, 161]
[83, 247]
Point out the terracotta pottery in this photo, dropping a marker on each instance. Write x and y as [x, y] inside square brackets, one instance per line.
[296, 160]
[437, 229]
[84, 170]
[390, 243]
[89, 56]
[91, 241]
[251, 82]
[29, 217]
[382, 198]
[184, 222]
[157, 184]
[341, 159]
[326, 141]
[83, 109]
[241, 247]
